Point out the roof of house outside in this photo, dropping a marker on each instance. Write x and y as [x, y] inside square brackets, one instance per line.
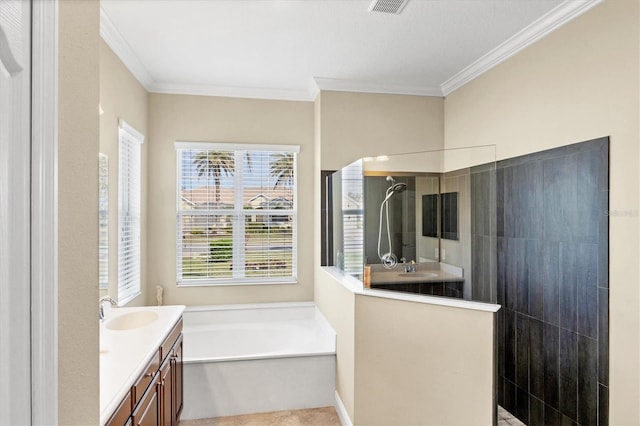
[206, 195]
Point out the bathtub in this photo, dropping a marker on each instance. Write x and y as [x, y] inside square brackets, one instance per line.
[241, 359]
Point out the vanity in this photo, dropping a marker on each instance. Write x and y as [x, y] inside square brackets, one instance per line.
[436, 279]
[141, 380]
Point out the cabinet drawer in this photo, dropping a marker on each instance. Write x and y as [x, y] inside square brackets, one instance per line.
[170, 340]
[123, 412]
[146, 377]
[147, 413]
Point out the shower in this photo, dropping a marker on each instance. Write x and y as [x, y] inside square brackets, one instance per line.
[389, 260]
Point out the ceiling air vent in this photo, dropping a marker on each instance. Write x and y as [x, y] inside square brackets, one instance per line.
[388, 6]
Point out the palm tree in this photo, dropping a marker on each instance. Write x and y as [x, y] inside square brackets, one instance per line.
[282, 169]
[215, 164]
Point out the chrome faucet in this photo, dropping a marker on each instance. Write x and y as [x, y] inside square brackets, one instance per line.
[410, 267]
[101, 308]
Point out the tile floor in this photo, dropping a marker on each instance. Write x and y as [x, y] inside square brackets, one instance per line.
[325, 416]
[505, 418]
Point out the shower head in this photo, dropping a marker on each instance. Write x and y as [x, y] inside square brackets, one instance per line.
[394, 189]
[389, 259]
[398, 187]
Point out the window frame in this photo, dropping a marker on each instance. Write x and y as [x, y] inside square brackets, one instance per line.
[129, 249]
[237, 213]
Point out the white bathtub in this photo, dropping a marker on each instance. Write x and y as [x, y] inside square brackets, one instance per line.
[241, 359]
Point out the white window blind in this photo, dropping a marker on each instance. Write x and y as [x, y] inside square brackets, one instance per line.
[353, 218]
[103, 221]
[129, 177]
[237, 214]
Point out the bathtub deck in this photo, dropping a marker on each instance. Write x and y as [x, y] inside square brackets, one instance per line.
[325, 416]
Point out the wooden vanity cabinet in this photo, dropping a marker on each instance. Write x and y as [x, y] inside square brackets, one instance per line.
[171, 385]
[156, 397]
[145, 380]
[178, 381]
[147, 412]
[432, 288]
[166, 387]
[122, 415]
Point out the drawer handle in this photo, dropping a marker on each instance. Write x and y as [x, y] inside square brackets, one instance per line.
[174, 356]
[149, 374]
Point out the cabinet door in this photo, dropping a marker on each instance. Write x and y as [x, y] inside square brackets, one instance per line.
[147, 412]
[176, 368]
[166, 389]
[146, 379]
[122, 415]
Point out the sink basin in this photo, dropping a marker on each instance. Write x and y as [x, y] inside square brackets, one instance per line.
[417, 274]
[131, 320]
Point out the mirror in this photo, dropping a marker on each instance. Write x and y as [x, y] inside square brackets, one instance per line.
[449, 215]
[430, 215]
[421, 222]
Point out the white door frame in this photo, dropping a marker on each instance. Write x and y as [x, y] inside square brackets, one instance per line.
[15, 227]
[44, 213]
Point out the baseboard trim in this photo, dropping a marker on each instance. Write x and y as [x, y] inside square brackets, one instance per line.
[342, 412]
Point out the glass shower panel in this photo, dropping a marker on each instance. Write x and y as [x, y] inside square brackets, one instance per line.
[422, 222]
[348, 219]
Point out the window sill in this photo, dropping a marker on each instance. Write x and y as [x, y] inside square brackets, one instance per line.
[233, 283]
[128, 299]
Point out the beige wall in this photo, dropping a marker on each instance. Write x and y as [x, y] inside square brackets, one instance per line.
[200, 118]
[401, 363]
[356, 125]
[578, 83]
[78, 87]
[121, 97]
[385, 352]
[338, 305]
[420, 364]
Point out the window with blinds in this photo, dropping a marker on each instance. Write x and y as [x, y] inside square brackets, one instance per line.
[129, 178]
[237, 214]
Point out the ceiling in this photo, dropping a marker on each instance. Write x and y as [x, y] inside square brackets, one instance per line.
[288, 49]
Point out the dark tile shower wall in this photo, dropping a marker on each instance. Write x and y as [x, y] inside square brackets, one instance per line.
[552, 282]
[483, 233]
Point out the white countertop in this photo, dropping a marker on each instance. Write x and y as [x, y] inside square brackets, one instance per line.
[399, 277]
[424, 273]
[125, 353]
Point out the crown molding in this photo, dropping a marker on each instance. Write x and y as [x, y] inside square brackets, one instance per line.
[339, 85]
[232, 92]
[558, 16]
[116, 42]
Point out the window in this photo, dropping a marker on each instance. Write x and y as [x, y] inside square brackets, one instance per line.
[237, 213]
[130, 143]
[103, 221]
